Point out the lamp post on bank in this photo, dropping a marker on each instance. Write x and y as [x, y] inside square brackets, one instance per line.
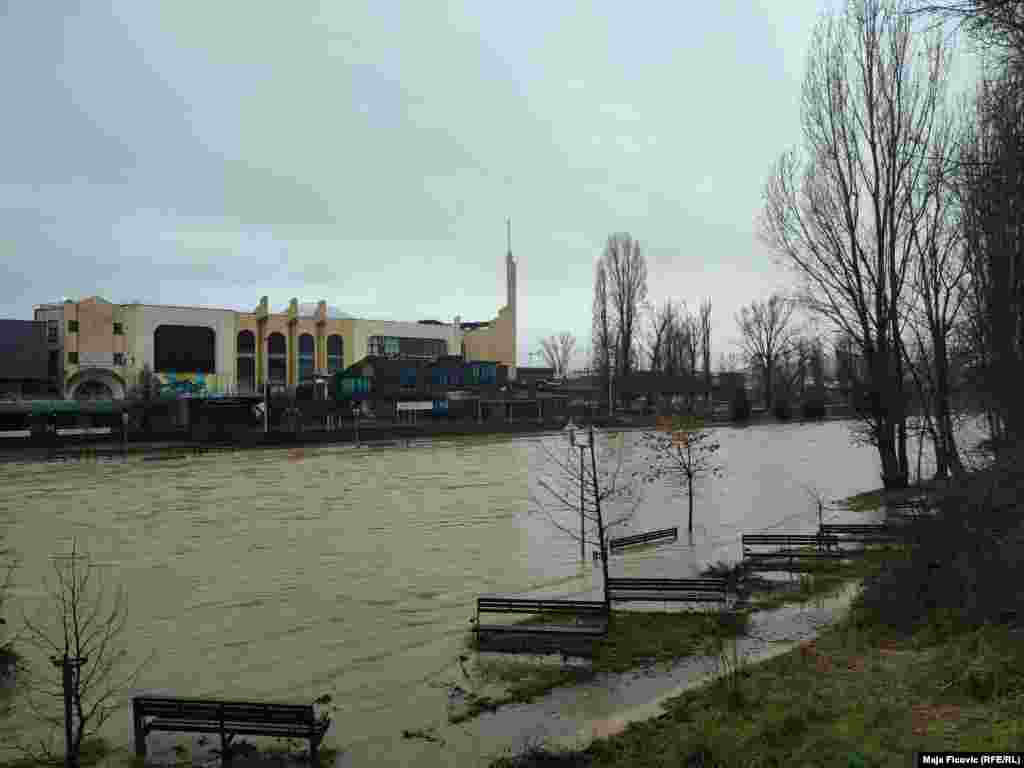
[570, 430]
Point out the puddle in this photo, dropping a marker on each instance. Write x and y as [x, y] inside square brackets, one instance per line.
[573, 716]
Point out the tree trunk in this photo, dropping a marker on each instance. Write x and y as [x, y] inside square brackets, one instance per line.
[690, 526]
[600, 529]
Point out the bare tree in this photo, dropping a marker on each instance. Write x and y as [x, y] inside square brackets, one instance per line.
[991, 187]
[626, 270]
[704, 324]
[766, 336]
[663, 321]
[557, 351]
[996, 24]
[603, 341]
[683, 451]
[574, 490]
[79, 632]
[939, 285]
[841, 213]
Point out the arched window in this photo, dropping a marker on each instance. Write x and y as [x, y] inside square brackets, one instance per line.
[307, 356]
[246, 361]
[246, 343]
[335, 353]
[184, 349]
[277, 358]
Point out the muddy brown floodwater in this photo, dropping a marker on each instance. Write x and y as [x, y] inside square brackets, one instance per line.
[353, 572]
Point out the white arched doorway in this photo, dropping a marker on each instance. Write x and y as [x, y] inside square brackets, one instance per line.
[96, 384]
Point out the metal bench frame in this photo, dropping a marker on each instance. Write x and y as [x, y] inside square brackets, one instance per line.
[791, 548]
[595, 615]
[863, 533]
[787, 543]
[644, 538]
[675, 590]
[227, 718]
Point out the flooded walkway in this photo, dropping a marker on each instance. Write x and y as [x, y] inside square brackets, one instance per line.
[571, 717]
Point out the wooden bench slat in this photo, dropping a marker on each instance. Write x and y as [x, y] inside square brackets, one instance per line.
[705, 590]
[763, 538]
[542, 629]
[641, 538]
[582, 609]
[240, 729]
[665, 596]
[669, 582]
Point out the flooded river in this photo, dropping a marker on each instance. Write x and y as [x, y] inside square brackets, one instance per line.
[286, 575]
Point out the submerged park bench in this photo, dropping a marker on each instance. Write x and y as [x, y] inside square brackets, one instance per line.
[787, 548]
[910, 508]
[644, 538]
[863, 533]
[676, 590]
[589, 621]
[227, 718]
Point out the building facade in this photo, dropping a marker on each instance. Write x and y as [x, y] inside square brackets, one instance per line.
[97, 349]
[24, 361]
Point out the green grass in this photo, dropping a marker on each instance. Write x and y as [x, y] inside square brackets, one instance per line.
[875, 499]
[858, 695]
[93, 751]
[822, 578]
[635, 639]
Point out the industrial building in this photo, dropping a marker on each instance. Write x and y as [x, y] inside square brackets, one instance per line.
[96, 349]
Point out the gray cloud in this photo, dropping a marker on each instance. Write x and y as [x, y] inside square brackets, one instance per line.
[368, 153]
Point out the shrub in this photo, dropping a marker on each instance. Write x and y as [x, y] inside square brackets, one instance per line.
[740, 406]
[782, 410]
[814, 408]
[962, 566]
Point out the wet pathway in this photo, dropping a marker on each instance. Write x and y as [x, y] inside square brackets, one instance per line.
[573, 716]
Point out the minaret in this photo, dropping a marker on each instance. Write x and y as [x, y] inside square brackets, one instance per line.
[510, 288]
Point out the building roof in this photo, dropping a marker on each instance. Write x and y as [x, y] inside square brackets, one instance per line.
[308, 309]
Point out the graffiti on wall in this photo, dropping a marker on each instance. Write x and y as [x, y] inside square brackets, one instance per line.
[192, 384]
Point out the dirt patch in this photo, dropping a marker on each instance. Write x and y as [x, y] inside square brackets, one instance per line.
[923, 714]
[856, 664]
[810, 652]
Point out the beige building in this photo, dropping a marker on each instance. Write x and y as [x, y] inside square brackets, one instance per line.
[103, 348]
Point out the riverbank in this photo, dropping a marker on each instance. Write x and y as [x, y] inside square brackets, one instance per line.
[854, 696]
[866, 692]
[369, 433]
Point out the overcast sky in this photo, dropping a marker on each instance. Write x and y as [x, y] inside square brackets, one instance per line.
[198, 152]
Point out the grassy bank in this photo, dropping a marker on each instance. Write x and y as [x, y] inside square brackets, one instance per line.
[855, 696]
[930, 658]
[636, 639]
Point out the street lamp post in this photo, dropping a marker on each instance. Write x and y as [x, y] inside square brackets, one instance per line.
[570, 428]
[602, 553]
[611, 407]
